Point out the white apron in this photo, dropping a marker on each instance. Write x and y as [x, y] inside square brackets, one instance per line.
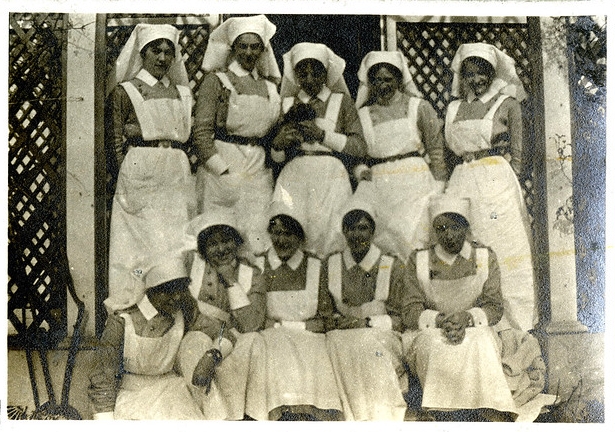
[464, 376]
[248, 186]
[317, 187]
[299, 372]
[367, 362]
[150, 390]
[498, 213]
[154, 197]
[400, 190]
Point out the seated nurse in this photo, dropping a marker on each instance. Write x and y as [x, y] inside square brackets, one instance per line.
[133, 374]
[371, 311]
[300, 383]
[214, 358]
[455, 300]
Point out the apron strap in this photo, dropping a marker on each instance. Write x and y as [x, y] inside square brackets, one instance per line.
[333, 107]
[482, 265]
[245, 277]
[422, 268]
[368, 126]
[383, 280]
[312, 277]
[496, 105]
[451, 114]
[226, 83]
[335, 276]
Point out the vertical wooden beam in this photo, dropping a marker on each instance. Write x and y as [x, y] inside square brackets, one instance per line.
[101, 232]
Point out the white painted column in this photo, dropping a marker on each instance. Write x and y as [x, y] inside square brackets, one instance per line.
[558, 134]
[80, 163]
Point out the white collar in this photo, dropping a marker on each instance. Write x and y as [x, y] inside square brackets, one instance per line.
[293, 262]
[368, 261]
[149, 79]
[323, 95]
[465, 252]
[238, 70]
[147, 308]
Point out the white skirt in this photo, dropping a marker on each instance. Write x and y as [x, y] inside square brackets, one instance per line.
[370, 375]
[464, 376]
[299, 372]
[316, 187]
[155, 397]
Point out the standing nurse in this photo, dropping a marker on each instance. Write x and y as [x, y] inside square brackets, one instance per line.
[480, 127]
[148, 120]
[315, 182]
[237, 105]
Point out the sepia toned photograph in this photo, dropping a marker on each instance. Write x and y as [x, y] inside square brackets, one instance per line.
[353, 217]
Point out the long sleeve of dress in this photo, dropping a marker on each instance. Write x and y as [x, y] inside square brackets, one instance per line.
[398, 303]
[324, 315]
[107, 369]
[119, 112]
[417, 302]
[349, 124]
[210, 102]
[490, 300]
[251, 318]
[433, 139]
[514, 120]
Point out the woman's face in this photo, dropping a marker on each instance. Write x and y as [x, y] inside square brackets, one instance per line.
[311, 76]
[384, 85]
[285, 242]
[247, 49]
[475, 78]
[359, 236]
[450, 234]
[220, 249]
[158, 56]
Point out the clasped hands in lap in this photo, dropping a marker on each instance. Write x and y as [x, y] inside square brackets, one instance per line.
[454, 325]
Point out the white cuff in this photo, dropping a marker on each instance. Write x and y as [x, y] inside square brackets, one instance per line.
[296, 325]
[216, 164]
[226, 346]
[359, 170]
[479, 316]
[381, 321]
[278, 156]
[191, 350]
[428, 319]
[335, 141]
[104, 416]
[237, 297]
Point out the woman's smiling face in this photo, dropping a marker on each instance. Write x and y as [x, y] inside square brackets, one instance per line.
[220, 248]
[383, 84]
[477, 77]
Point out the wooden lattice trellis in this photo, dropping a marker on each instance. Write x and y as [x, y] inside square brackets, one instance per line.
[430, 48]
[37, 188]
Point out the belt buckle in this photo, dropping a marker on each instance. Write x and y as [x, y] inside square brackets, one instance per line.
[164, 143]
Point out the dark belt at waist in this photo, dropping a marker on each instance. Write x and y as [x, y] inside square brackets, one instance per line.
[238, 139]
[157, 143]
[314, 153]
[375, 161]
[496, 151]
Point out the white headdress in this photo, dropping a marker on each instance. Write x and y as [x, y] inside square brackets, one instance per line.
[217, 56]
[130, 62]
[166, 270]
[440, 204]
[505, 80]
[334, 64]
[277, 208]
[394, 58]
